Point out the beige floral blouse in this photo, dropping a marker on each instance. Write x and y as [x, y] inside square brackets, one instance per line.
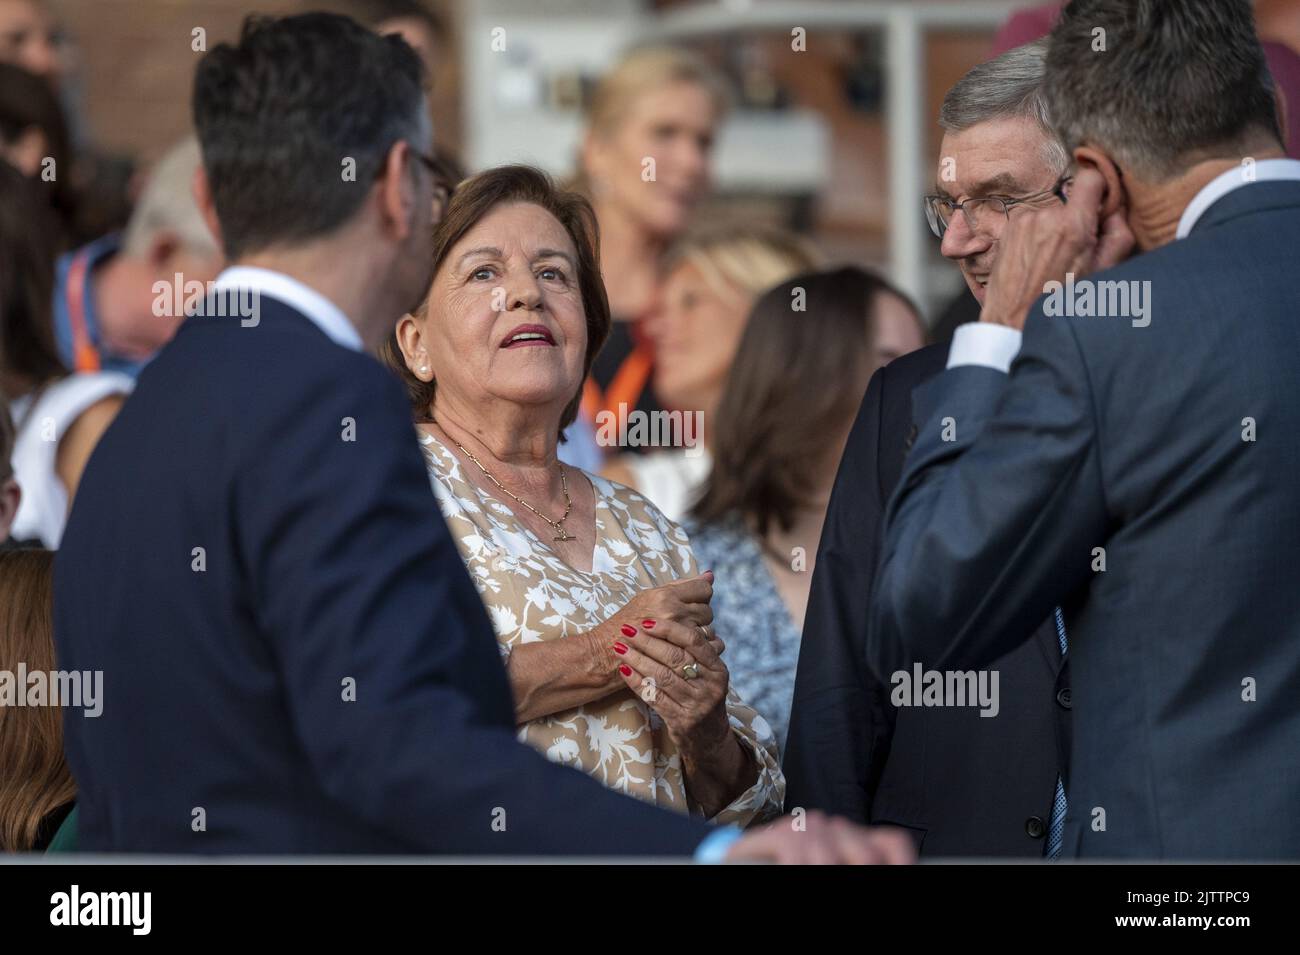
[531, 595]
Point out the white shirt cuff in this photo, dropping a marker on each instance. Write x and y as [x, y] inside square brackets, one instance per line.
[982, 343]
[713, 850]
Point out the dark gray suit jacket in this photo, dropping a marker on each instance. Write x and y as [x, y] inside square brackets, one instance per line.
[961, 783]
[1185, 650]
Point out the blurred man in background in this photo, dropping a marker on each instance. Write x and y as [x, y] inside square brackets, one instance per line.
[116, 298]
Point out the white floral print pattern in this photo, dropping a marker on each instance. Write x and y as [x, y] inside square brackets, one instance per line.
[533, 595]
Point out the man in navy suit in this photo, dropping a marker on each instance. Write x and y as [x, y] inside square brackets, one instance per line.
[294, 657]
[1131, 454]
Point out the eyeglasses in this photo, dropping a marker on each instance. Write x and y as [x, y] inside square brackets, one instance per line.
[442, 184]
[984, 212]
[428, 162]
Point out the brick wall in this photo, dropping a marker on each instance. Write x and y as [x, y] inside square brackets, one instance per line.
[135, 65]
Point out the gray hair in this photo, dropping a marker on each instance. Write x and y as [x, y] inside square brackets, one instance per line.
[1160, 84]
[167, 204]
[1007, 86]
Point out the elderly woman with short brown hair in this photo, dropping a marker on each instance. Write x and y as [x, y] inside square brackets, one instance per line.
[600, 611]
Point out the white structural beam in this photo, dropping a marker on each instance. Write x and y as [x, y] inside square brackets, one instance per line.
[905, 138]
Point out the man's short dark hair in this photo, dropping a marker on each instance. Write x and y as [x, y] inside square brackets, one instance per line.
[1160, 84]
[296, 121]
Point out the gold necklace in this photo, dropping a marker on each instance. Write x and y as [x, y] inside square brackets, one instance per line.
[562, 534]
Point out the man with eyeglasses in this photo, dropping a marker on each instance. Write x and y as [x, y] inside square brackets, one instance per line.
[1132, 456]
[969, 228]
[962, 783]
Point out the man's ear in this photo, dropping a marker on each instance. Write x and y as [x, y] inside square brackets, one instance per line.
[396, 192]
[1113, 197]
[203, 199]
[162, 246]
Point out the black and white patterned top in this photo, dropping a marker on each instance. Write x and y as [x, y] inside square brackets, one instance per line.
[751, 618]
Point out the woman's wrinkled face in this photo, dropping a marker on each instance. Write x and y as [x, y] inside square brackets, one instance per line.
[696, 331]
[673, 126]
[506, 319]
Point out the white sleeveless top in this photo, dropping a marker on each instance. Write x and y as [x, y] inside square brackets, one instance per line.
[43, 508]
[670, 479]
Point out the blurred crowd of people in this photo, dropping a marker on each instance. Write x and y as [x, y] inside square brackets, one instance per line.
[652, 600]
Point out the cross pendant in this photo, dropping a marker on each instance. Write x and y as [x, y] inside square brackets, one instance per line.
[565, 536]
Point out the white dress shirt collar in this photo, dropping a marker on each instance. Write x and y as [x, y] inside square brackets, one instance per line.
[1264, 170]
[323, 313]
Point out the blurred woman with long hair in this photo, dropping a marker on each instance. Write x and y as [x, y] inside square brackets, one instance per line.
[36, 787]
[802, 366]
[34, 139]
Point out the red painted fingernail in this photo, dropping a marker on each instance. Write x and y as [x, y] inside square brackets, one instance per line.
[624, 669]
[647, 624]
[628, 630]
[709, 574]
[620, 648]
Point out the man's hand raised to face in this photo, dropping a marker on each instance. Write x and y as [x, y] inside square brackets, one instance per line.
[1043, 245]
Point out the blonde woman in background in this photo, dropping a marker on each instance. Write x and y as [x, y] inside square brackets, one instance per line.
[712, 278]
[645, 165]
